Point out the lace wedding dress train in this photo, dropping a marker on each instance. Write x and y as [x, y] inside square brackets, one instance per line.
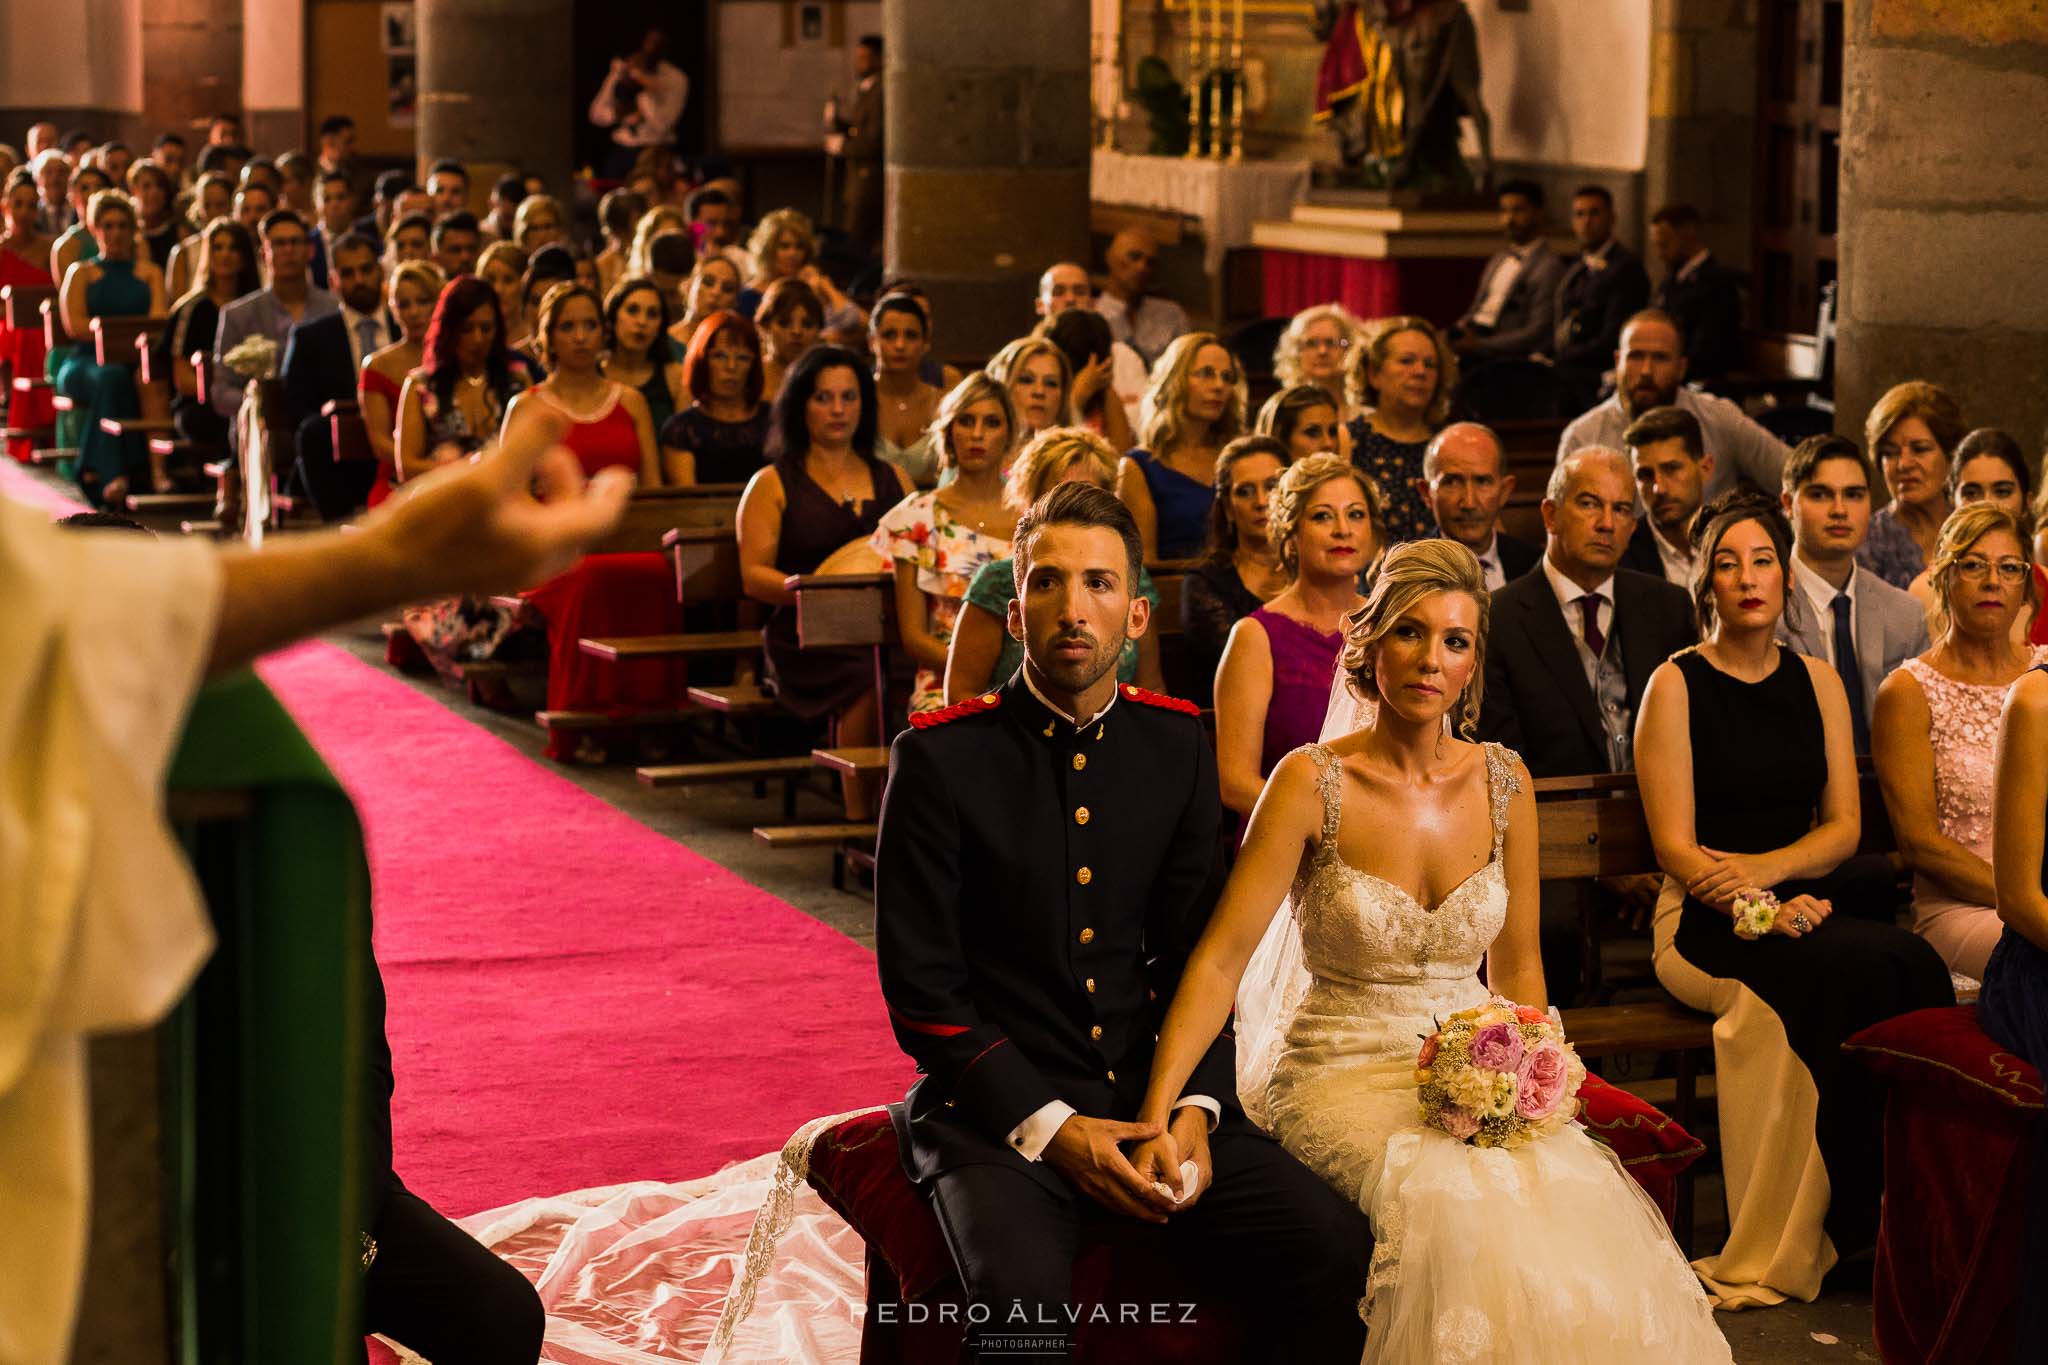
[1547, 1252]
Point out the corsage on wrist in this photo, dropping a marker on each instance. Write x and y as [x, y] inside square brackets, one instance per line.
[1755, 913]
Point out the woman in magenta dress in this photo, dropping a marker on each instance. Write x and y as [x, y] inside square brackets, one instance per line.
[1273, 685]
[24, 260]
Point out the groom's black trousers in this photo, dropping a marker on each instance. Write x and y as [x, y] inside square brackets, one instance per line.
[1268, 1236]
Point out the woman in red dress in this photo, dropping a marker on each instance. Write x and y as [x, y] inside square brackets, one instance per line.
[610, 423]
[24, 260]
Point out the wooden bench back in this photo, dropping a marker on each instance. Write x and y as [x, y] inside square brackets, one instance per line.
[1594, 826]
[843, 610]
[351, 435]
[1166, 619]
[115, 338]
[24, 303]
[654, 512]
[707, 564]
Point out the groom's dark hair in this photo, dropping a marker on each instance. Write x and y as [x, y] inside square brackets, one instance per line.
[1080, 504]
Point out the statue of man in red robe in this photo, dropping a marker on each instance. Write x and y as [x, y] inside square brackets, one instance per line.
[1396, 79]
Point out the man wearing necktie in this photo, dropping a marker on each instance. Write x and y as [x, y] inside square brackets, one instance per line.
[1834, 608]
[323, 358]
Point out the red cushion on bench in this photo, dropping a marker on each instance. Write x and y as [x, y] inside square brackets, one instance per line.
[1651, 1145]
[855, 1169]
[1944, 1049]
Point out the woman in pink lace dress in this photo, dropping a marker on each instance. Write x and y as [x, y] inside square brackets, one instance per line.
[1936, 730]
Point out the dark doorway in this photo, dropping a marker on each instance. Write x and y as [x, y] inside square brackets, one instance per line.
[1799, 143]
[613, 29]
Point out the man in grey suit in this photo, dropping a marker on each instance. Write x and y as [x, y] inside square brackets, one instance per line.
[1835, 609]
[273, 312]
[1514, 314]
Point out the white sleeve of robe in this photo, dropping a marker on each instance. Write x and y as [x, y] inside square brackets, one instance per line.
[104, 637]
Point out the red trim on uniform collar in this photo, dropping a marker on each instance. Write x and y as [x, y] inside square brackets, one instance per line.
[1132, 692]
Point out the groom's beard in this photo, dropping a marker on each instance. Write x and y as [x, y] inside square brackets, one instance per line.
[1077, 675]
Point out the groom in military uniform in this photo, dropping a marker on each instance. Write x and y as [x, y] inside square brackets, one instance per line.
[1048, 855]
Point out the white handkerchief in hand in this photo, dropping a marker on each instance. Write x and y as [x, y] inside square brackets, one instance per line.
[1190, 1182]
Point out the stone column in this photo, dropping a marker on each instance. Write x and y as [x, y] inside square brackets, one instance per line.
[1703, 75]
[497, 87]
[1944, 196]
[273, 76]
[987, 158]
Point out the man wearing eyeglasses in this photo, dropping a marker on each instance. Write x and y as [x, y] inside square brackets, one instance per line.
[1835, 610]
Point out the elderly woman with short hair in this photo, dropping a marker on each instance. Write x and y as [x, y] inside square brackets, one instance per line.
[1911, 432]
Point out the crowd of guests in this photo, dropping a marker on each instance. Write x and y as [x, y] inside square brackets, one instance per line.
[1737, 621]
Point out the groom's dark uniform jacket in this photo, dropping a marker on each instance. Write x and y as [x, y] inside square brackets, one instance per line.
[1037, 891]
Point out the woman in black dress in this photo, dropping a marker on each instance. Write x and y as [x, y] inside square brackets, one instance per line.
[1402, 380]
[2013, 1008]
[1749, 784]
[1240, 572]
[721, 436]
[822, 488]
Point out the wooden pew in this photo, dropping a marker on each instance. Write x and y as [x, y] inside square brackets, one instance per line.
[23, 304]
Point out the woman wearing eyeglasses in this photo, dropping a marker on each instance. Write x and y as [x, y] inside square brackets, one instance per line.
[1316, 349]
[1936, 729]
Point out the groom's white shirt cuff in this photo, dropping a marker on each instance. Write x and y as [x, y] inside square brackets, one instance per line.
[1030, 1138]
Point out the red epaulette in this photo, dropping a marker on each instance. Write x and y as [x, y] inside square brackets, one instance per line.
[973, 706]
[1132, 692]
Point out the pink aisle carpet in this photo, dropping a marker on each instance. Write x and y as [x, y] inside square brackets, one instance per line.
[574, 1000]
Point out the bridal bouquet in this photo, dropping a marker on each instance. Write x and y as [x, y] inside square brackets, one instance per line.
[1498, 1075]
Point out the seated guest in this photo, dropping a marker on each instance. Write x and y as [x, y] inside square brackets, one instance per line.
[24, 260]
[1316, 349]
[1466, 482]
[295, 182]
[253, 203]
[383, 203]
[1842, 611]
[1401, 380]
[227, 271]
[112, 283]
[1989, 466]
[1749, 771]
[502, 266]
[1936, 731]
[822, 489]
[1650, 370]
[608, 422]
[334, 207]
[1912, 431]
[637, 352]
[551, 265]
[1701, 296]
[1037, 376]
[54, 215]
[789, 318]
[337, 145]
[1273, 684]
[617, 213]
[1239, 572]
[2013, 1008]
[713, 216]
[1603, 287]
[456, 241]
[940, 538]
[538, 223]
[1066, 287]
[411, 239]
[323, 363]
[1195, 407]
[213, 198]
[456, 400]
[899, 338]
[263, 171]
[155, 218]
[414, 289]
[1084, 339]
[659, 219]
[719, 437]
[1673, 469]
[171, 152]
[785, 247]
[1303, 420]
[500, 221]
[78, 242]
[671, 262]
[1514, 314]
[714, 287]
[1142, 320]
[984, 654]
[448, 184]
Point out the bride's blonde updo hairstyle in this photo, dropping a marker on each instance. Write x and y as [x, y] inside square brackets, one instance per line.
[1407, 574]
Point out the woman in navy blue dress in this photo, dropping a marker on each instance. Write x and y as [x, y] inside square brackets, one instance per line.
[1194, 407]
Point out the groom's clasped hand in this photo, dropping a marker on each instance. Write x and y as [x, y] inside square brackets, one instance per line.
[1141, 1184]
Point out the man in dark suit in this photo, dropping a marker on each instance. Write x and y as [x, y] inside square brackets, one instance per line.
[1046, 860]
[1703, 296]
[1466, 483]
[1569, 650]
[323, 357]
[1514, 314]
[1602, 288]
[1673, 467]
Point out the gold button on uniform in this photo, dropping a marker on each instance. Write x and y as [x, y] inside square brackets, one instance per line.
[1112, 1078]
[1087, 936]
[989, 699]
[1096, 1032]
[1091, 985]
[1080, 762]
[1084, 876]
[1081, 816]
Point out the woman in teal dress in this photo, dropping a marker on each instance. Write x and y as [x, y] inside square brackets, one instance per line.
[113, 285]
[73, 245]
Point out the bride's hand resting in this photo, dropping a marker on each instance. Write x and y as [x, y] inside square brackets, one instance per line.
[1159, 1161]
[1730, 875]
[1085, 1151]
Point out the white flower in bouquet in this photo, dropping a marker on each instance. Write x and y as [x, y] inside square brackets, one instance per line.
[253, 358]
[1755, 913]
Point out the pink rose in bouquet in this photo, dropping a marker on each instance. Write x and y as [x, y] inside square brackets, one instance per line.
[1542, 1079]
[1458, 1122]
[1497, 1047]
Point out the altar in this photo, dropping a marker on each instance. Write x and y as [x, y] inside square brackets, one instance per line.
[1224, 197]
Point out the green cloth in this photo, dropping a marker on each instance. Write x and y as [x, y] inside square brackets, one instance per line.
[269, 1057]
[995, 583]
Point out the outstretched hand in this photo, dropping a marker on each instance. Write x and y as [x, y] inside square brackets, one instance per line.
[1087, 1153]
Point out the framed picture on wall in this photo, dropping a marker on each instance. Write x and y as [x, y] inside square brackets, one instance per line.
[395, 27]
[401, 89]
[810, 25]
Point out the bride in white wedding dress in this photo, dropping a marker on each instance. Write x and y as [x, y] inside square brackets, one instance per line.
[1404, 856]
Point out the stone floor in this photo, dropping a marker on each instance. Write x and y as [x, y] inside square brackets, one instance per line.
[717, 822]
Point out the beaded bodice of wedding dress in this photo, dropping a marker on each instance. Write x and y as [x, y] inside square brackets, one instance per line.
[1547, 1252]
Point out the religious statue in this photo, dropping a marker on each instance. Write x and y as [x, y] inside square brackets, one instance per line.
[1397, 76]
